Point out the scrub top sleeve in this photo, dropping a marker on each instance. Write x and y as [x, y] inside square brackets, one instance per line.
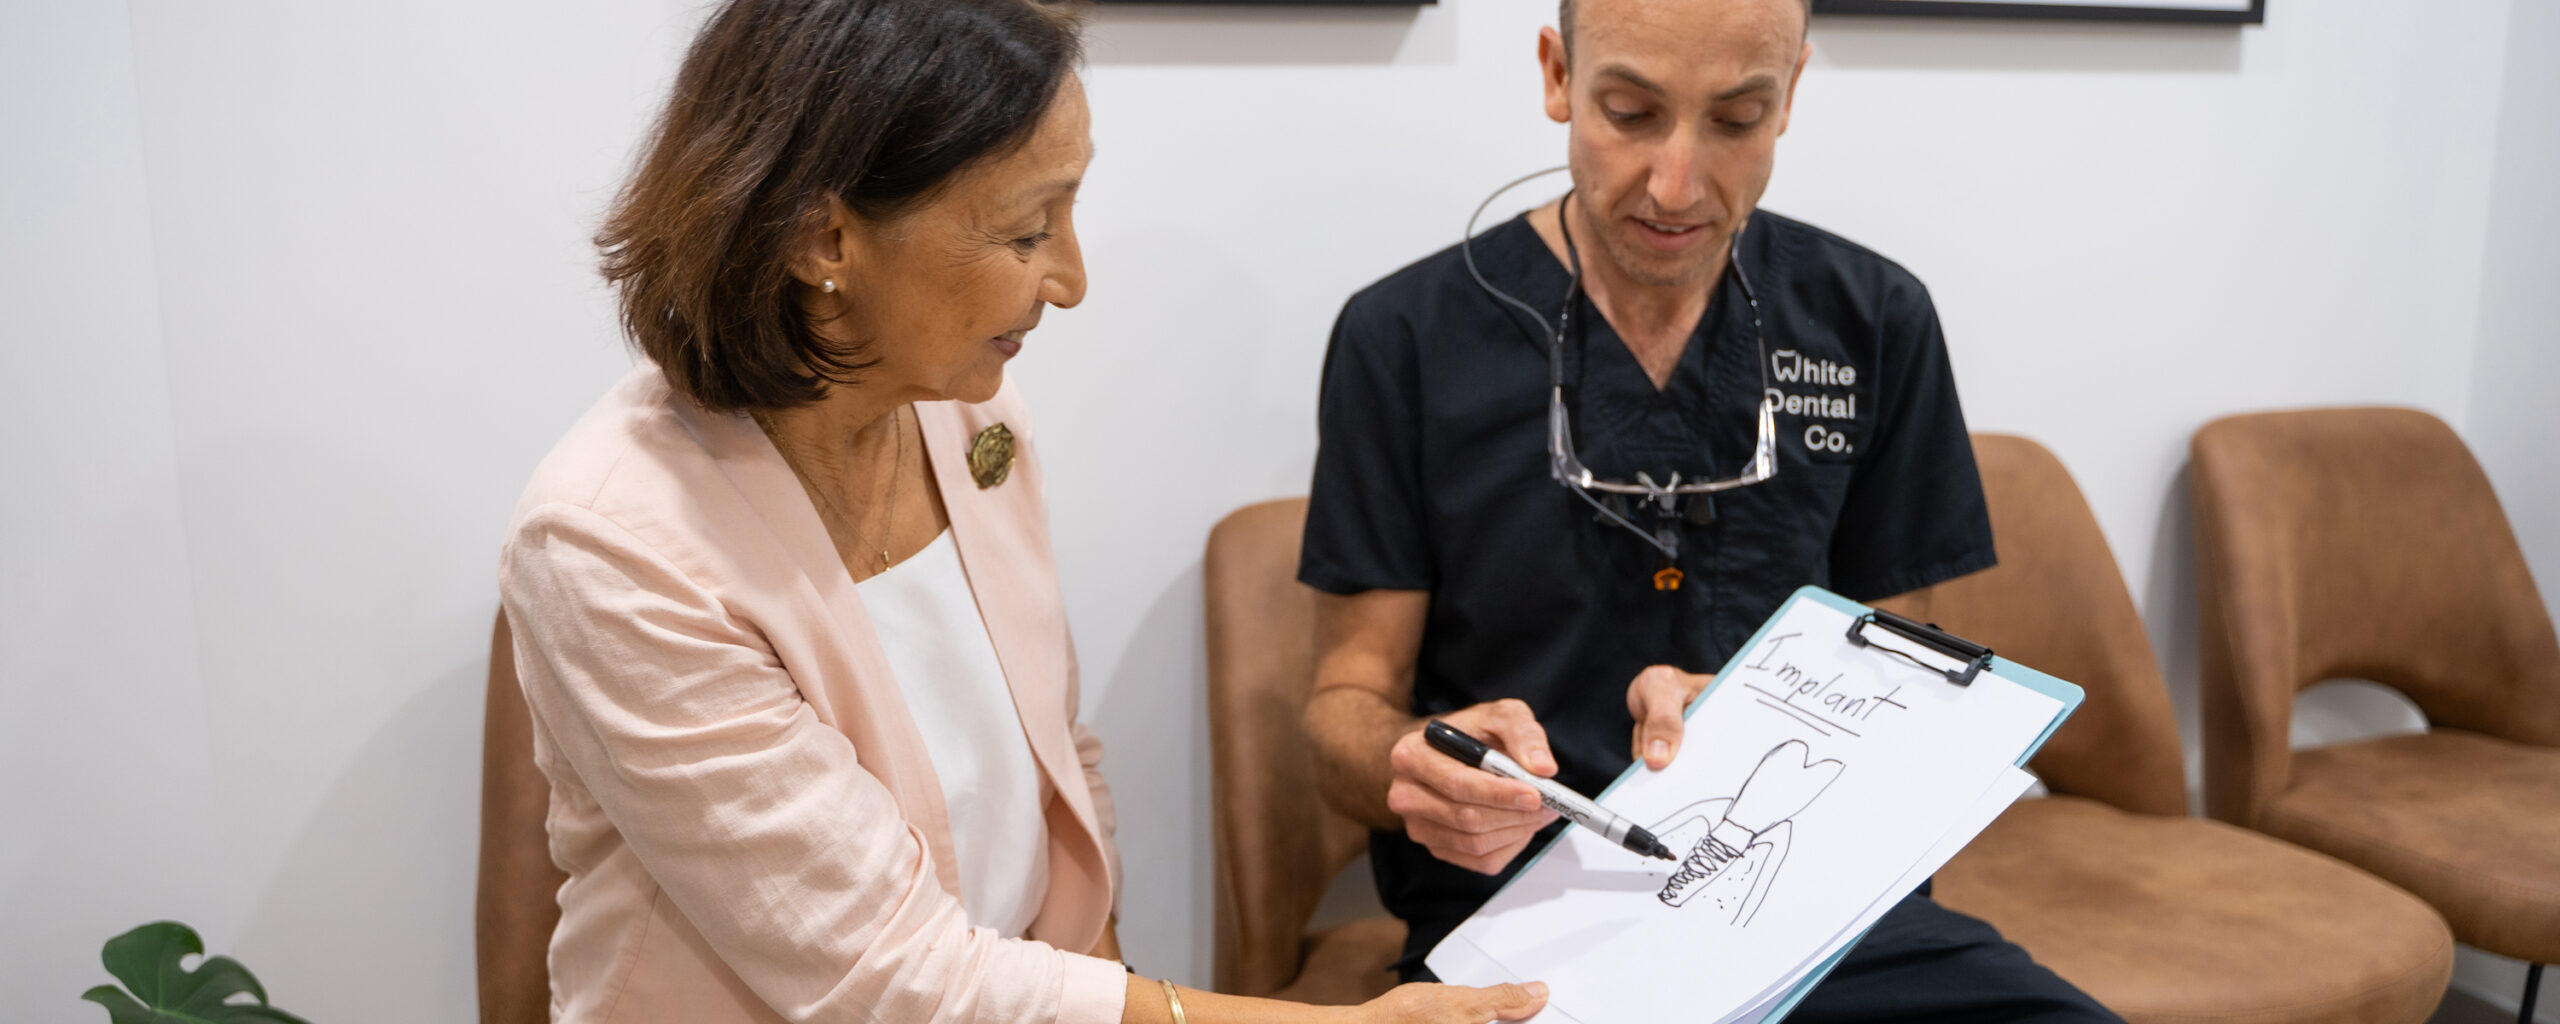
[1915, 514]
[1365, 529]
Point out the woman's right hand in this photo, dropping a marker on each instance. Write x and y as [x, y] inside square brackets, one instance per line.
[1451, 1004]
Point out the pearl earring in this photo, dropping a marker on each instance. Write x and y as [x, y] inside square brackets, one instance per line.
[828, 286]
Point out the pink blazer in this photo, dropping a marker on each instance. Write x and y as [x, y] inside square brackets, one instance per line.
[750, 822]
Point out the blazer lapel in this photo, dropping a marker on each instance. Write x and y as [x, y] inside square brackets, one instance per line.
[897, 752]
[1002, 532]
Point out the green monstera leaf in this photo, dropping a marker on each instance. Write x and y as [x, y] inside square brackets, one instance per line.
[147, 959]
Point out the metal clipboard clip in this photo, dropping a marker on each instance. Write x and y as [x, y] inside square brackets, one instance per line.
[1975, 656]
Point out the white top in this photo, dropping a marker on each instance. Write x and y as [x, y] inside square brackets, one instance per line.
[937, 645]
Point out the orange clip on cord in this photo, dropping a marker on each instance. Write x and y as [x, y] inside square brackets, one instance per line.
[1667, 579]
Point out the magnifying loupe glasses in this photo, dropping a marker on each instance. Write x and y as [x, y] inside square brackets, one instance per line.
[1564, 464]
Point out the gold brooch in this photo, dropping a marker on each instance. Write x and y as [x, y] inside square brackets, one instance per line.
[991, 456]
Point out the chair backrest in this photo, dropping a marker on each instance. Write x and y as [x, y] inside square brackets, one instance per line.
[519, 899]
[2057, 602]
[2356, 544]
[1278, 845]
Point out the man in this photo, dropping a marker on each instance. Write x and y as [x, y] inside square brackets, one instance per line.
[1464, 581]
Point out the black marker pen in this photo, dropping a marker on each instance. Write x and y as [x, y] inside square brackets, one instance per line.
[1449, 740]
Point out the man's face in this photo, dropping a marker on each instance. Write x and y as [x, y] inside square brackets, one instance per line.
[1675, 109]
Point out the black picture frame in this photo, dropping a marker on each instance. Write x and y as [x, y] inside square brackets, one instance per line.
[2094, 11]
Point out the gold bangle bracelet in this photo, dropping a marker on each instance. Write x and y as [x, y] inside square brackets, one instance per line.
[1174, 1000]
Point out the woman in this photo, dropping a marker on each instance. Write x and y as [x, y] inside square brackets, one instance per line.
[784, 603]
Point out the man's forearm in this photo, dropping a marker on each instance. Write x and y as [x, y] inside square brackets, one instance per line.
[1367, 644]
[1353, 730]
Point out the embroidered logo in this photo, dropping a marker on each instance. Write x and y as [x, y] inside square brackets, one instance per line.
[1806, 374]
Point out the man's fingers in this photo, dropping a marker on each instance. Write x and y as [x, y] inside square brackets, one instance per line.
[1418, 805]
[1448, 840]
[1480, 863]
[1463, 814]
[1658, 736]
[1479, 839]
[1476, 804]
[1456, 782]
[1483, 862]
[1514, 730]
[1657, 699]
[1476, 786]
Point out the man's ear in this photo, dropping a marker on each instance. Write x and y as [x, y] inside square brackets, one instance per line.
[1557, 74]
[831, 247]
[1787, 111]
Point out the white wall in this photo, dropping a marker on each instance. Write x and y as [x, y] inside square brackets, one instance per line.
[107, 813]
[2508, 419]
[369, 222]
[298, 291]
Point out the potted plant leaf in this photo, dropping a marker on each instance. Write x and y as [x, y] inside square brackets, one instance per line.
[159, 989]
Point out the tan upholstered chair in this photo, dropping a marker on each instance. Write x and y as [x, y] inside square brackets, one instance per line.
[1278, 845]
[2367, 544]
[519, 886]
[2161, 916]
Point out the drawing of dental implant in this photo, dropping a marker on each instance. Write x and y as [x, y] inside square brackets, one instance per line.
[1737, 843]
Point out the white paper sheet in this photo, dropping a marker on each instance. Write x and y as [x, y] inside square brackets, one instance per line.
[1995, 800]
[1813, 779]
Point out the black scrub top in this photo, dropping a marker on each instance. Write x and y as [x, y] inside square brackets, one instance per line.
[1431, 474]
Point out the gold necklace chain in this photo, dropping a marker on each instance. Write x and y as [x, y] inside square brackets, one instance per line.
[897, 476]
[827, 503]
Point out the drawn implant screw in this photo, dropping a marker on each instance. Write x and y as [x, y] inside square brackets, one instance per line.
[1786, 782]
[1705, 862]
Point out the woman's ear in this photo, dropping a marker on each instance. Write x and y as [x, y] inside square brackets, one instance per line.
[830, 249]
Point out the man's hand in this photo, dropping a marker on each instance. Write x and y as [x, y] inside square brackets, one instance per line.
[1468, 816]
[1657, 699]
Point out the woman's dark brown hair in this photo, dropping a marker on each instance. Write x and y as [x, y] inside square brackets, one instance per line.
[781, 104]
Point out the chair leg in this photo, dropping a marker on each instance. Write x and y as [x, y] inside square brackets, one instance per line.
[2532, 988]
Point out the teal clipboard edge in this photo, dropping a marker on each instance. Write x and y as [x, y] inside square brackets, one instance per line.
[2068, 694]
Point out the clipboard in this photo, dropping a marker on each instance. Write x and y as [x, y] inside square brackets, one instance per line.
[1926, 648]
[1979, 659]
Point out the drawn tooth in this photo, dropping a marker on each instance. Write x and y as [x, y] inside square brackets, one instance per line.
[1781, 786]
[1785, 783]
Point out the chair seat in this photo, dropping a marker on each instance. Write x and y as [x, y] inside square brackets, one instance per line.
[2176, 919]
[2468, 822]
[1347, 964]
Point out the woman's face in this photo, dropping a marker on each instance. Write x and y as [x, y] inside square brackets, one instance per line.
[944, 294]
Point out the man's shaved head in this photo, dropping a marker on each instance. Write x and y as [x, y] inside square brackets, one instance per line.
[1564, 20]
[1674, 110]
